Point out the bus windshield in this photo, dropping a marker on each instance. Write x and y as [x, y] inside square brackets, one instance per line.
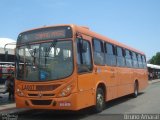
[44, 61]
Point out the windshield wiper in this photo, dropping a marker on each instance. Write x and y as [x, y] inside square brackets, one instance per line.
[32, 53]
[47, 51]
[53, 44]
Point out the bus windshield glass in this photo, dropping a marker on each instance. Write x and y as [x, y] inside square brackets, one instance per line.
[44, 61]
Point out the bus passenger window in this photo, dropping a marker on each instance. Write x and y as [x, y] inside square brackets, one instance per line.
[140, 61]
[84, 56]
[98, 52]
[110, 54]
[128, 57]
[120, 57]
[134, 60]
[144, 61]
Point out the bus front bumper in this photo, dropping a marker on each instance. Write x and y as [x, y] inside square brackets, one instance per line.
[62, 103]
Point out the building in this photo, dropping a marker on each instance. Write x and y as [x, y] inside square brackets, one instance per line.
[153, 71]
[7, 46]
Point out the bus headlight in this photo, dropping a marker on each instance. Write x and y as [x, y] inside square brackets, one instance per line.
[66, 91]
[19, 92]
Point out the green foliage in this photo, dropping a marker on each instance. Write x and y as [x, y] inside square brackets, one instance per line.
[155, 59]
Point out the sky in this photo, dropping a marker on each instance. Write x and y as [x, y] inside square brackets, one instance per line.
[135, 23]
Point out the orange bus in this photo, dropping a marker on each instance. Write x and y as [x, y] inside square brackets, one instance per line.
[69, 67]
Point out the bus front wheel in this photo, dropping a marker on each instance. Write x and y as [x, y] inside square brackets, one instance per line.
[100, 100]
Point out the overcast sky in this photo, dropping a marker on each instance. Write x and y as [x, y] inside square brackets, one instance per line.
[132, 22]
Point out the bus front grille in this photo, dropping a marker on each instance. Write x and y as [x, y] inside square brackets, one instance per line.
[46, 87]
[41, 102]
[37, 95]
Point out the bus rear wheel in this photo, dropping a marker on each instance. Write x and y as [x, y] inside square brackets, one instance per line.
[135, 94]
[100, 100]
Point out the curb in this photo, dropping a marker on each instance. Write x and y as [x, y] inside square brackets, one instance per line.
[6, 110]
[154, 81]
[13, 110]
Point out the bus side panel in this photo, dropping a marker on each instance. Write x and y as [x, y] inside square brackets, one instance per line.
[85, 99]
[143, 79]
[106, 76]
[125, 84]
[111, 82]
[141, 76]
[86, 86]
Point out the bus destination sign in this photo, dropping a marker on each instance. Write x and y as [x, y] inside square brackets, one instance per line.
[45, 34]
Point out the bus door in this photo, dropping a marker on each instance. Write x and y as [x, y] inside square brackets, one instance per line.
[85, 69]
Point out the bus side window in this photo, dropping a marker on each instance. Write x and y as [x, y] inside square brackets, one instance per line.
[110, 57]
[128, 59]
[140, 61]
[120, 57]
[98, 52]
[144, 61]
[84, 56]
[134, 60]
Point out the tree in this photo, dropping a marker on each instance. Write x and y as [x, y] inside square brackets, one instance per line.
[155, 59]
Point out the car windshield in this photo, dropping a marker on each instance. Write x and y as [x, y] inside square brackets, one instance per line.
[44, 61]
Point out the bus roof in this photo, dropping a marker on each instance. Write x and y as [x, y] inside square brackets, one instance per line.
[87, 31]
[71, 25]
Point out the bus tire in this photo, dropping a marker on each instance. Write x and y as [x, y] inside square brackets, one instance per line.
[100, 100]
[135, 94]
